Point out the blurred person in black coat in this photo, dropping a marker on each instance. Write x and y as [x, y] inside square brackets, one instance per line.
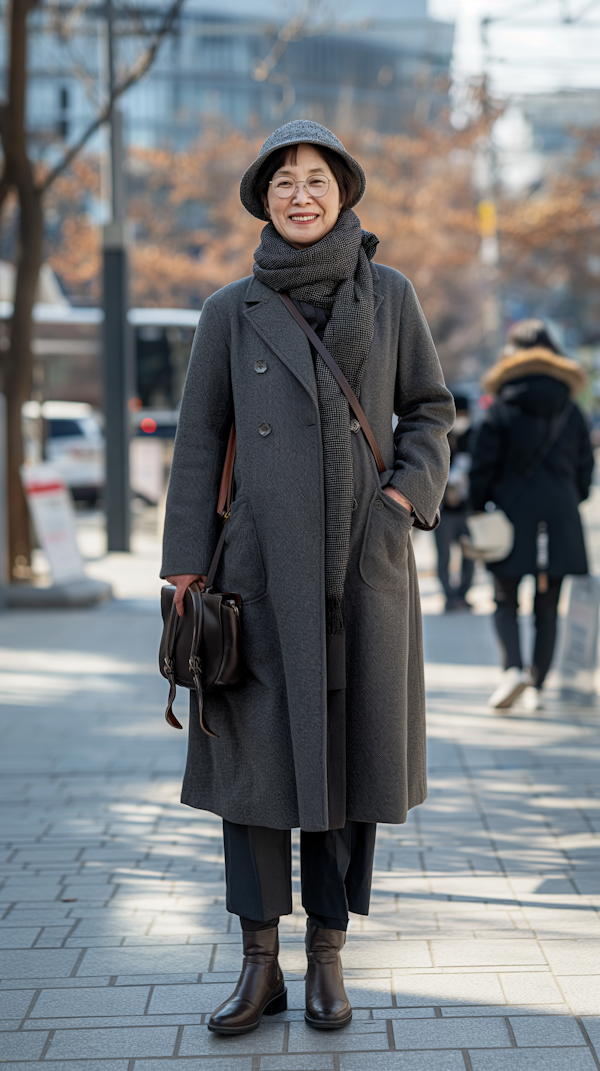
[533, 383]
[455, 508]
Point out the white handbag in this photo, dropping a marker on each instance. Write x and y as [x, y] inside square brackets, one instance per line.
[492, 537]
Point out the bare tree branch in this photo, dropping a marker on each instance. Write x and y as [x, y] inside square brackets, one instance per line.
[297, 28]
[139, 68]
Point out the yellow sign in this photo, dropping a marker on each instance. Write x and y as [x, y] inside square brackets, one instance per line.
[488, 219]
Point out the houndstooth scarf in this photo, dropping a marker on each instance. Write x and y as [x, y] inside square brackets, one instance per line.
[335, 274]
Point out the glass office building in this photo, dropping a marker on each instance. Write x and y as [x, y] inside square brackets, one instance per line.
[379, 66]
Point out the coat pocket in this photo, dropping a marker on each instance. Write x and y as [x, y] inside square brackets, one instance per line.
[383, 558]
[243, 567]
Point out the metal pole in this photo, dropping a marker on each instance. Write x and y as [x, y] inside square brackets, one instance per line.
[4, 578]
[489, 253]
[118, 372]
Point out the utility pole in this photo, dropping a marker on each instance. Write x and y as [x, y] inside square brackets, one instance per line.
[489, 251]
[118, 370]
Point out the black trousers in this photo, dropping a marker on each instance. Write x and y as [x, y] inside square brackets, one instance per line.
[336, 871]
[453, 524]
[545, 609]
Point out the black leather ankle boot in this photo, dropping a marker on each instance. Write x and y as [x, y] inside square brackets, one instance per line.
[327, 1006]
[260, 989]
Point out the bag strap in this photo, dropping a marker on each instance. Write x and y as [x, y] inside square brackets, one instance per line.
[195, 661]
[170, 666]
[555, 429]
[224, 499]
[336, 371]
[212, 569]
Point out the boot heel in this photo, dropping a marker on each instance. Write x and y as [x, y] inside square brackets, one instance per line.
[278, 1004]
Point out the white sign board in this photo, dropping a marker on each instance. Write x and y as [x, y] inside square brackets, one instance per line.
[53, 517]
[146, 468]
[580, 646]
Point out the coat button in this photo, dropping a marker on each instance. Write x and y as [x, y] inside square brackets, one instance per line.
[265, 429]
[354, 504]
[354, 424]
[260, 366]
[378, 504]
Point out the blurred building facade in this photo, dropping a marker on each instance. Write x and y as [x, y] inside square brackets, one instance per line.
[373, 65]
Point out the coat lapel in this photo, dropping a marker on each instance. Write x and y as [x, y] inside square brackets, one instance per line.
[271, 320]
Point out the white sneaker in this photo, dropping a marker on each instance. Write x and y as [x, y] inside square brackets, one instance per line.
[532, 699]
[514, 681]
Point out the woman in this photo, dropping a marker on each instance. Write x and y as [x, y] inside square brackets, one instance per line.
[328, 731]
[533, 458]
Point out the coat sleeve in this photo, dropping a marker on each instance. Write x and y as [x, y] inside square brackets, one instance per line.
[191, 524]
[425, 412]
[488, 453]
[585, 459]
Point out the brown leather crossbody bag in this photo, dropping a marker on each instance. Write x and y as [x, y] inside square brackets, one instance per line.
[203, 649]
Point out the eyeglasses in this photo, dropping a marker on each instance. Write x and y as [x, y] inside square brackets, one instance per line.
[315, 186]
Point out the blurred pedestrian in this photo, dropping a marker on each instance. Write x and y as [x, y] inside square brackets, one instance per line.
[455, 509]
[532, 457]
[328, 732]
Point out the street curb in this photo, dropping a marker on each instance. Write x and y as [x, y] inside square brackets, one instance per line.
[74, 595]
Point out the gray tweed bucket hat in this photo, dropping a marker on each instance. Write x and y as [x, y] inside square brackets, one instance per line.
[300, 130]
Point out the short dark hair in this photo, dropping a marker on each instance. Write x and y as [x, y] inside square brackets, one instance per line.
[526, 334]
[341, 172]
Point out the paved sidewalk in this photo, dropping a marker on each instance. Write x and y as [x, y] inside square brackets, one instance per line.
[482, 951]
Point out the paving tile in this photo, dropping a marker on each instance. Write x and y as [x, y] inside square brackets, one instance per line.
[359, 1036]
[53, 983]
[403, 1061]
[10, 1024]
[503, 953]
[117, 1042]
[582, 993]
[34, 963]
[15, 1003]
[573, 957]
[533, 1060]
[176, 999]
[403, 1013]
[481, 1033]
[132, 961]
[73, 1065]
[305, 1062]
[541, 1030]
[240, 1063]
[534, 988]
[368, 993]
[198, 1041]
[19, 937]
[88, 1022]
[160, 979]
[20, 1046]
[377, 954]
[503, 1009]
[107, 1000]
[440, 989]
[592, 1025]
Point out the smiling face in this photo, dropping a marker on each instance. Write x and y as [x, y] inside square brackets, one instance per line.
[302, 219]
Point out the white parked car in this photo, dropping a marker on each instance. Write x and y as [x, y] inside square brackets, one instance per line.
[72, 440]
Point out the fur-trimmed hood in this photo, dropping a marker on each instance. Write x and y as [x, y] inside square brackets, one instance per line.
[536, 361]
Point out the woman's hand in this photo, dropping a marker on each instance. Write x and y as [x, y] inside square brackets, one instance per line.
[182, 583]
[398, 497]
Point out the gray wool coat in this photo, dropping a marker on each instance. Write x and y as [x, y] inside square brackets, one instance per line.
[269, 764]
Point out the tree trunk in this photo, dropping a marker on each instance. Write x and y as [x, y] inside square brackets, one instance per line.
[18, 364]
[18, 374]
